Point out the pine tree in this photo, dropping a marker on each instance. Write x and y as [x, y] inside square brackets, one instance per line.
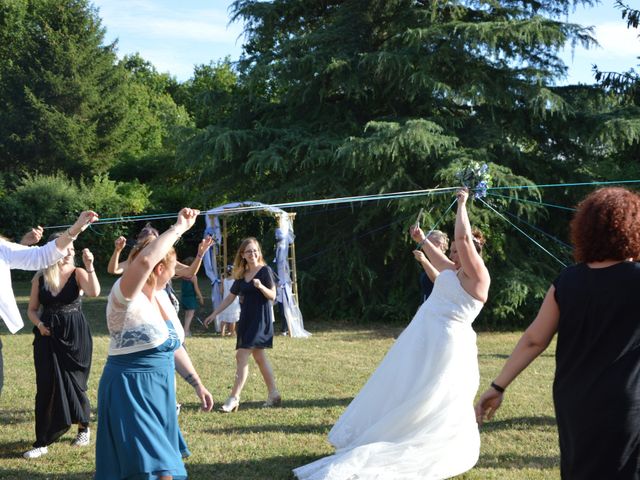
[345, 97]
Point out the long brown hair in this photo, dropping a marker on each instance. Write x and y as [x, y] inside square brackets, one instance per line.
[239, 263]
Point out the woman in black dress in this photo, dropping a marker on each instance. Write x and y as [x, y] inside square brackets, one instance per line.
[254, 284]
[62, 350]
[593, 307]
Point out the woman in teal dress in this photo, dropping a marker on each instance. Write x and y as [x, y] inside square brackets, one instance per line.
[138, 435]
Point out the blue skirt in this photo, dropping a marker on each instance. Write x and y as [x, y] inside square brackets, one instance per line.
[138, 434]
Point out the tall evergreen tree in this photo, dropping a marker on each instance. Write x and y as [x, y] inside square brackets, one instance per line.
[370, 96]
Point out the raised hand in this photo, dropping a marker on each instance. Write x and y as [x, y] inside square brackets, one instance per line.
[204, 245]
[187, 218]
[462, 195]
[120, 243]
[416, 233]
[83, 221]
[419, 256]
[87, 259]
[32, 237]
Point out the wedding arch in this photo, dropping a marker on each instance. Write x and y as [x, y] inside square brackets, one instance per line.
[219, 255]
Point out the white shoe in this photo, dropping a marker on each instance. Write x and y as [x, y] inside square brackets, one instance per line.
[36, 452]
[82, 439]
[231, 405]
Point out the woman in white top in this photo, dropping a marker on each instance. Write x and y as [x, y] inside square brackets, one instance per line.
[138, 433]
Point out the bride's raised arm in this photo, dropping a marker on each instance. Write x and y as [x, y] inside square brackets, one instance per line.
[472, 264]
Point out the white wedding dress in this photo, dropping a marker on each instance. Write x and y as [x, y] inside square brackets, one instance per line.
[414, 418]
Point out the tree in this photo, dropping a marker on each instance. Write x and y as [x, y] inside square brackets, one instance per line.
[358, 97]
[66, 101]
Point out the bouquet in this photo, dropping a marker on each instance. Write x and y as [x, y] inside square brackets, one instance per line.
[476, 178]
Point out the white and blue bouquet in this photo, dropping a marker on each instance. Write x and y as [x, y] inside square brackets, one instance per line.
[476, 178]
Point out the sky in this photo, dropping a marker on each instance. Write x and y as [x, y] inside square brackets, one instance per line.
[177, 35]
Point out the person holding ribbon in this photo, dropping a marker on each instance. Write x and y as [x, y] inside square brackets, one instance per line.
[414, 417]
[136, 395]
[62, 349]
[23, 257]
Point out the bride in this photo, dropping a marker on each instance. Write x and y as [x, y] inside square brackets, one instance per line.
[414, 418]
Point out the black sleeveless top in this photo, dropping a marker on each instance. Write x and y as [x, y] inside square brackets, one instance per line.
[597, 382]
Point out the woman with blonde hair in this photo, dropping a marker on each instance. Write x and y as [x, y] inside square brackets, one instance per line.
[254, 283]
[62, 349]
[138, 434]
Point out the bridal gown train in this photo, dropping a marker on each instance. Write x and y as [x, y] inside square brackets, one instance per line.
[414, 418]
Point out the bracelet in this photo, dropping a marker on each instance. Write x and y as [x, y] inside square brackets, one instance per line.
[497, 388]
[91, 271]
[39, 325]
[424, 240]
[200, 256]
[68, 233]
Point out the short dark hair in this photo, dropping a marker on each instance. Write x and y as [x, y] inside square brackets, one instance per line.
[606, 226]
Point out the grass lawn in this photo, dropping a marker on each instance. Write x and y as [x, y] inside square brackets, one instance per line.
[317, 377]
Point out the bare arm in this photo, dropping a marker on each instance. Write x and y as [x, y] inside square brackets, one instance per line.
[533, 342]
[436, 256]
[87, 278]
[427, 266]
[33, 309]
[83, 221]
[115, 267]
[138, 271]
[269, 293]
[186, 370]
[472, 264]
[188, 271]
[228, 300]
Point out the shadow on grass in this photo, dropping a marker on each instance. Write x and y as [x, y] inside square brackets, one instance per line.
[282, 428]
[519, 423]
[286, 404]
[21, 474]
[513, 462]
[506, 355]
[14, 417]
[274, 468]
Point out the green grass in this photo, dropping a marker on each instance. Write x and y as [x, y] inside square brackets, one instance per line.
[317, 377]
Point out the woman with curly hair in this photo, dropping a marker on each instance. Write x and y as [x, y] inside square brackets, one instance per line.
[592, 307]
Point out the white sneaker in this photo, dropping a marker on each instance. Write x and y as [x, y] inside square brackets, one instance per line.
[82, 439]
[36, 452]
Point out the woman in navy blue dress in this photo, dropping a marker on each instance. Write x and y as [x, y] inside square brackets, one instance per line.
[255, 285]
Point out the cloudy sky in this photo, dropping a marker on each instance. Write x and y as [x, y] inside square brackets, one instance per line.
[175, 36]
